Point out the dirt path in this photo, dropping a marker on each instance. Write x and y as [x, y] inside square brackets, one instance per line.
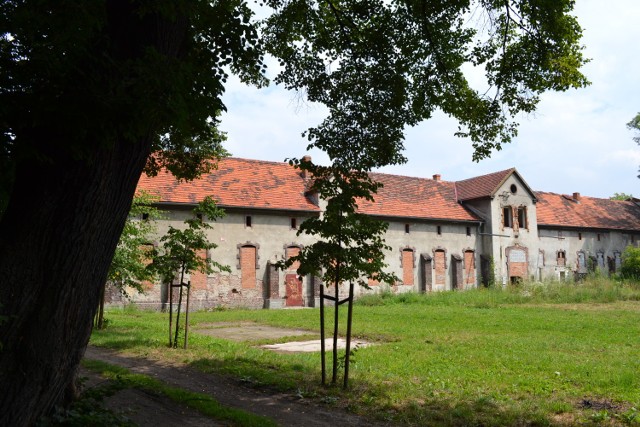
[285, 409]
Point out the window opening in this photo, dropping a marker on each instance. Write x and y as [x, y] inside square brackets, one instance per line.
[290, 252]
[522, 217]
[406, 228]
[247, 221]
[507, 220]
[468, 231]
[562, 258]
[439, 231]
[294, 223]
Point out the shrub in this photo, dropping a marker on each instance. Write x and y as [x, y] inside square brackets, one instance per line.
[631, 263]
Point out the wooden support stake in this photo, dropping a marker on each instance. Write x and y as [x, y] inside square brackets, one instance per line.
[186, 317]
[175, 339]
[170, 289]
[348, 354]
[334, 377]
[322, 346]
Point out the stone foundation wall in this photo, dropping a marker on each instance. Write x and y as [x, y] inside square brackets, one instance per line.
[219, 290]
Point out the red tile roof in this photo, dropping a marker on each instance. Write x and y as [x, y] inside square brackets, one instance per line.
[259, 184]
[237, 183]
[403, 196]
[482, 186]
[560, 210]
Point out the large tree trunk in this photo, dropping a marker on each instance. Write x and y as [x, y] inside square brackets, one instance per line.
[57, 239]
[60, 230]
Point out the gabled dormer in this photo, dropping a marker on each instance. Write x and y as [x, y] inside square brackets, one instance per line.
[503, 199]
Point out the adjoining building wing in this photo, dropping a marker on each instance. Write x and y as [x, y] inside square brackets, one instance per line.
[576, 211]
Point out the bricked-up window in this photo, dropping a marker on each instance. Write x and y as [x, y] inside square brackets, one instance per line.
[440, 266]
[248, 266]
[522, 217]
[292, 251]
[294, 223]
[407, 266]
[469, 268]
[507, 217]
[406, 228]
[562, 258]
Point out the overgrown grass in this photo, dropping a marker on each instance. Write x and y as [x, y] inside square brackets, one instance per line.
[595, 289]
[531, 355]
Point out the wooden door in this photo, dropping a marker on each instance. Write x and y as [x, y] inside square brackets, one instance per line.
[293, 290]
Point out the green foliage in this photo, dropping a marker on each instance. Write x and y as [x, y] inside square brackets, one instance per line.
[88, 410]
[621, 196]
[634, 125]
[178, 253]
[82, 76]
[630, 268]
[128, 267]
[380, 66]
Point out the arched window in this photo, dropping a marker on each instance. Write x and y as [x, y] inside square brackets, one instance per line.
[561, 258]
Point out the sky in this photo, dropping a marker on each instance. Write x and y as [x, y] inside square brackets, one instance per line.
[576, 141]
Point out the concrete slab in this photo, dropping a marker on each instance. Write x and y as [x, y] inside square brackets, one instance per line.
[313, 345]
[249, 331]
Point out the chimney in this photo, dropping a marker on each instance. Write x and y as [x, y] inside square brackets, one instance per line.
[436, 177]
[306, 158]
[576, 197]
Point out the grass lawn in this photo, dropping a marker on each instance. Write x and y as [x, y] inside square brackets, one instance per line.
[558, 354]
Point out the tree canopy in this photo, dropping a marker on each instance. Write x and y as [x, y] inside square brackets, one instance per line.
[93, 93]
[634, 125]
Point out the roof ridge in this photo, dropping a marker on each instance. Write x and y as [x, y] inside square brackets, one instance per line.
[255, 160]
[511, 169]
[412, 177]
[569, 195]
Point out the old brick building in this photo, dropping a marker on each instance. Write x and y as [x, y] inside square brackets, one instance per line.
[444, 235]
